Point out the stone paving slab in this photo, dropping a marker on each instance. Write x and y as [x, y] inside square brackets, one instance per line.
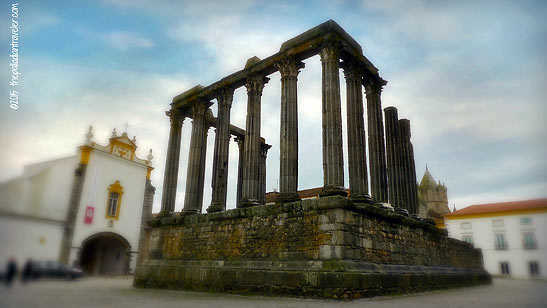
[118, 292]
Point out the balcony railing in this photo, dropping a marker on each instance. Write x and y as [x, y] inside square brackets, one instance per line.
[501, 246]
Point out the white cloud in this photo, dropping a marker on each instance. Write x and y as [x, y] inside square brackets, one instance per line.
[128, 40]
[56, 112]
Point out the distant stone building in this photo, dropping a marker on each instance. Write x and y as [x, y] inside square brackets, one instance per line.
[432, 198]
[85, 209]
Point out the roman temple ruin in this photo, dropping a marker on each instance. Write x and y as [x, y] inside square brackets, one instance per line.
[339, 245]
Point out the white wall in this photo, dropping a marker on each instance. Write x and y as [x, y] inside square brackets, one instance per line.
[33, 209]
[43, 190]
[24, 238]
[102, 171]
[483, 232]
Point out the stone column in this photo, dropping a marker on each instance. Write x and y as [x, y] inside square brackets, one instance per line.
[393, 154]
[376, 147]
[357, 152]
[288, 149]
[202, 168]
[222, 146]
[414, 181]
[196, 159]
[333, 159]
[251, 166]
[410, 182]
[241, 160]
[403, 163]
[171, 173]
[262, 183]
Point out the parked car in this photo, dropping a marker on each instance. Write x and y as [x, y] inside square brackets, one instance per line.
[54, 269]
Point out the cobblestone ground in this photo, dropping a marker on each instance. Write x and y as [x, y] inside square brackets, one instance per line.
[118, 292]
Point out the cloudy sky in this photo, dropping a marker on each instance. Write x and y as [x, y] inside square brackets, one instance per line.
[470, 75]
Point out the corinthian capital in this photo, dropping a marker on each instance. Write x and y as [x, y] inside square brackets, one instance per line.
[373, 85]
[264, 147]
[175, 116]
[200, 108]
[330, 52]
[225, 96]
[352, 71]
[255, 84]
[289, 67]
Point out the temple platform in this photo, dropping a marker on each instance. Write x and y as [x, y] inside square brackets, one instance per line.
[324, 247]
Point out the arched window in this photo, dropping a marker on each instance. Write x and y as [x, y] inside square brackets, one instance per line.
[115, 192]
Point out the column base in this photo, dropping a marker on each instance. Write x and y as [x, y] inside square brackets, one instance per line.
[186, 212]
[400, 210]
[286, 197]
[360, 198]
[163, 214]
[333, 190]
[248, 203]
[215, 207]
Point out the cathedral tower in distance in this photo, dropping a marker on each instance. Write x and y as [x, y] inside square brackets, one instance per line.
[432, 197]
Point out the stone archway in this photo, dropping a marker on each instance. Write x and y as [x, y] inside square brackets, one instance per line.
[105, 253]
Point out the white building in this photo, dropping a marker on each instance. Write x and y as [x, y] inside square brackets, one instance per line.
[512, 236]
[85, 209]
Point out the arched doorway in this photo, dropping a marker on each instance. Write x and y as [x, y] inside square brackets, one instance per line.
[105, 253]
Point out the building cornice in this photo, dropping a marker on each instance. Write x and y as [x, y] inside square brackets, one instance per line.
[496, 214]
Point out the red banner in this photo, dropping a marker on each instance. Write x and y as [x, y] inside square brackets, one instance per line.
[88, 218]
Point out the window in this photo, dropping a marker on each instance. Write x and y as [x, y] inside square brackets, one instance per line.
[529, 240]
[497, 223]
[466, 225]
[500, 242]
[505, 268]
[534, 268]
[526, 220]
[115, 192]
[113, 203]
[467, 238]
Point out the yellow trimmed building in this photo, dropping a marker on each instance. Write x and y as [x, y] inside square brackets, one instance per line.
[85, 209]
[512, 236]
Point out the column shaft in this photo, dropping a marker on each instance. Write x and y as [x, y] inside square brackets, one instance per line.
[251, 166]
[358, 180]
[222, 146]
[171, 173]
[241, 160]
[414, 182]
[262, 182]
[403, 162]
[393, 154]
[288, 149]
[333, 159]
[376, 147]
[196, 160]
[411, 187]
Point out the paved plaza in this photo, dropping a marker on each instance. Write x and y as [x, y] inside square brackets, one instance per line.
[118, 292]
